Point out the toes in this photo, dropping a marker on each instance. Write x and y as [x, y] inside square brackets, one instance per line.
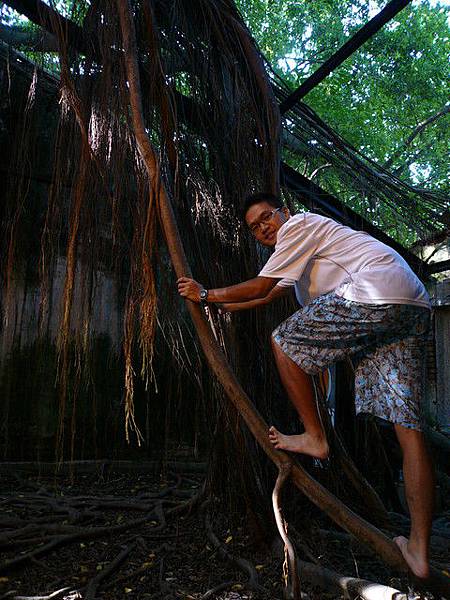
[273, 433]
[274, 437]
[400, 540]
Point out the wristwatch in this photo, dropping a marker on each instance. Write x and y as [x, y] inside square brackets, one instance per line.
[203, 295]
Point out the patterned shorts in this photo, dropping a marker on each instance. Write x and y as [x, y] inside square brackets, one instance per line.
[383, 341]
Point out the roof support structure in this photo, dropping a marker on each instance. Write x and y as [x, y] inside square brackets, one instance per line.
[355, 42]
[439, 267]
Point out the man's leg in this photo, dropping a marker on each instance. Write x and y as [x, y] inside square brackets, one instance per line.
[419, 490]
[299, 388]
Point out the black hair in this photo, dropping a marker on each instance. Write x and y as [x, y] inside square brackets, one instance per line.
[271, 199]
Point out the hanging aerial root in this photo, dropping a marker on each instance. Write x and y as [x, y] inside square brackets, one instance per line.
[271, 137]
[130, 422]
[372, 502]
[290, 569]
[148, 300]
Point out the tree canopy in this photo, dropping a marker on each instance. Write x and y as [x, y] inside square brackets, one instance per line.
[390, 98]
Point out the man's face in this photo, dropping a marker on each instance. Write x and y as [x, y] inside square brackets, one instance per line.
[264, 221]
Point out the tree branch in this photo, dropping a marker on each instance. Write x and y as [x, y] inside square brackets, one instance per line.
[415, 132]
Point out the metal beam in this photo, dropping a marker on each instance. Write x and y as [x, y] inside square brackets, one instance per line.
[355, 42]
[39, 41]
[46, 17]
[439, 267]
[314, 197]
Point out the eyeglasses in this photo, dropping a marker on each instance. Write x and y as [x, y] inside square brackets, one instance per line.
[264, 220]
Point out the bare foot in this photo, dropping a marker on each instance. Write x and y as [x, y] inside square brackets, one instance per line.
[416, 562]
[302, 444]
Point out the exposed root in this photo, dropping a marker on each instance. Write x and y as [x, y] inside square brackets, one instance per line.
[52, 596]
[94, 584]
[63, 540]
[292, 580]
[41, 531]
[243, 564]
[139, 556]
[219, 588]
[351, 586]
[190, 504]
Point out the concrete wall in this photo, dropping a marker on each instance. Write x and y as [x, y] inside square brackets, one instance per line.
[22, 305]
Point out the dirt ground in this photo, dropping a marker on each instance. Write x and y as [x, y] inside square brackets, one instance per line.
[114, 535]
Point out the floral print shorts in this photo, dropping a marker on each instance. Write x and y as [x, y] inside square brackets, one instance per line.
[382, 340]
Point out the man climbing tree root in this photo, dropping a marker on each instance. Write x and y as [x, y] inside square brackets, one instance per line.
[360, 300]
[264, 221]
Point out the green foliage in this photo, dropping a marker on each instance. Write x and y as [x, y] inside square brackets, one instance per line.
[378, 96]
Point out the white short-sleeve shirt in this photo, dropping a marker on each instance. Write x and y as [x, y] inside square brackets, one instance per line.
[318, 255]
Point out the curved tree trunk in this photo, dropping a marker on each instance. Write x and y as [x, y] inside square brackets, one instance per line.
[326, 501]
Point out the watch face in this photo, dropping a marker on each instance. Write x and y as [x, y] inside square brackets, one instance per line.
[203, 294]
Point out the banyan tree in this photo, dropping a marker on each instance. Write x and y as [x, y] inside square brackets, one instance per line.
[127, 170]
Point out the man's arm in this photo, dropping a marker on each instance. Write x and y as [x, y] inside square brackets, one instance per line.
[276, 292]
[258, 287]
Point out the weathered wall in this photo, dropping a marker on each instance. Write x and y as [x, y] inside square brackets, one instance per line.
[30, 387]
[441, 303]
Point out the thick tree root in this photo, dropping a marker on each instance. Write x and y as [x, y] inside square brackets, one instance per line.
[212, 593]
[86, 534]
[34, 526]
[52, 596]
[42, 531]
